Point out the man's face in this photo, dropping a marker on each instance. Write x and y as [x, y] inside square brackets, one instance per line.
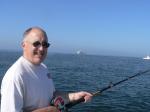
[34, 46]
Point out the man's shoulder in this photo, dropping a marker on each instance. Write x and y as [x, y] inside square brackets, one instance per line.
[13, 73]
[17, 65]
[16, 68]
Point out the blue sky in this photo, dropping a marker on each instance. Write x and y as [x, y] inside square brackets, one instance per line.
[104, 27]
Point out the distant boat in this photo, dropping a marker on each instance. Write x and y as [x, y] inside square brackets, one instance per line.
[147, 58]
[79, 52]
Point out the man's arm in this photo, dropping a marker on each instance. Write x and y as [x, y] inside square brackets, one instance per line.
[47, 109]
[70, 97]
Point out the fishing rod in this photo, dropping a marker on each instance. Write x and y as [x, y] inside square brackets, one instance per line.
[71, 104]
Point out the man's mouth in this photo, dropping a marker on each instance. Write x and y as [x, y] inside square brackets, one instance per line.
[40, 54]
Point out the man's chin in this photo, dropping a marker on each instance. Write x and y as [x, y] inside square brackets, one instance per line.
[38, 61]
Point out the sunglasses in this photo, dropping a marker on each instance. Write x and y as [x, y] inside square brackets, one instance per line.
[43, 44]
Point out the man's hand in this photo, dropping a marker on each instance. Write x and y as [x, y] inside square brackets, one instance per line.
[78, 95]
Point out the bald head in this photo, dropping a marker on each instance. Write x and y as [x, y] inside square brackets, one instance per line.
[37, 30]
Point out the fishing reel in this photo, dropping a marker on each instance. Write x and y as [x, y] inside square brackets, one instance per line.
[59, 103]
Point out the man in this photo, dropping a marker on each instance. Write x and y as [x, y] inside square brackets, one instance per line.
[27, 85]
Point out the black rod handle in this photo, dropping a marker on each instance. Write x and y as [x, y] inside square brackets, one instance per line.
[71, 104]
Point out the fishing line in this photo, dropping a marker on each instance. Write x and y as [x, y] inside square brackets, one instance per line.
[71, 104]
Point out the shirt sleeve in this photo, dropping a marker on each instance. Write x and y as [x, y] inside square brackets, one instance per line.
[11, 94]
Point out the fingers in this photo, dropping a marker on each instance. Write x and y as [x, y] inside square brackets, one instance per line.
[78, 95]
[86, 95]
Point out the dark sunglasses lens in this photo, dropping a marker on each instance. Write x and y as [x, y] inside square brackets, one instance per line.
[36, 44]
[45, 44]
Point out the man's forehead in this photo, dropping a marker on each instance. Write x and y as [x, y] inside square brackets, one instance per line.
[36, 35]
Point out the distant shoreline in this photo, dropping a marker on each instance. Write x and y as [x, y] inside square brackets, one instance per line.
[51, 52]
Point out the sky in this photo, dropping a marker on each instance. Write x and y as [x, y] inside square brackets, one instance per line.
[101, 27]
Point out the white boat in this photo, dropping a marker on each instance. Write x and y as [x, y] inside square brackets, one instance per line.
[79, 52]
[147, 58]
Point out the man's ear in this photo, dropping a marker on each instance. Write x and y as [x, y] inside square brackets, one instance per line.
[23, 45]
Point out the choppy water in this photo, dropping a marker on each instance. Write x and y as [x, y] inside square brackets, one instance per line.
[91, 73]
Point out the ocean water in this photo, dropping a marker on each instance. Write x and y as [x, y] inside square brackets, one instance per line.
[91, 73]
